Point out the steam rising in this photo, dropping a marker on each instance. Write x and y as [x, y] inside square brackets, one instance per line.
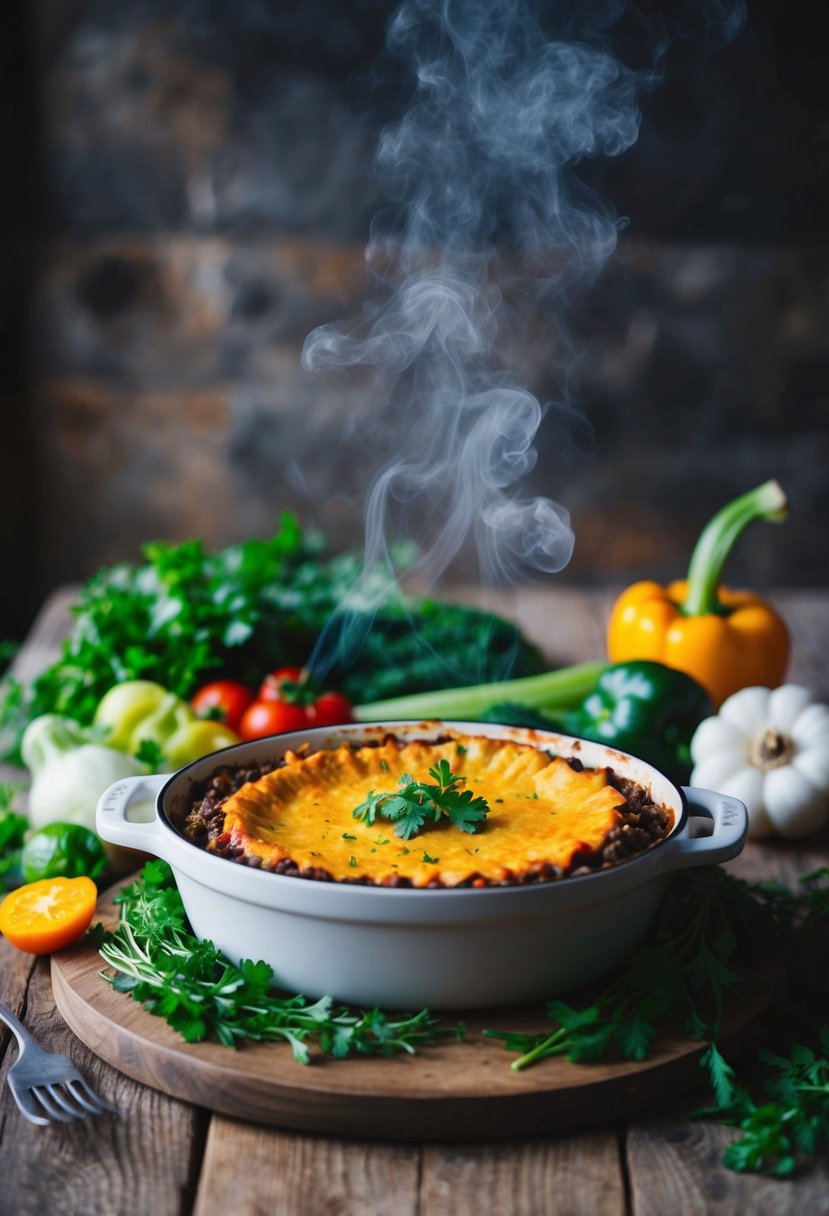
[481, 160]
[482, 171]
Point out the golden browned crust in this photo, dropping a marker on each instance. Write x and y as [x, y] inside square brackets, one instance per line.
[545, 815]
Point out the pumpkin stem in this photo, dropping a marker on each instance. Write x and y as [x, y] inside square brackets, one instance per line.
[771, 750]
[767, 501]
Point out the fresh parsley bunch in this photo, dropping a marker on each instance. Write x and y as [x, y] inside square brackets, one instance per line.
[416, 801]
[185, 615]
[189, 983]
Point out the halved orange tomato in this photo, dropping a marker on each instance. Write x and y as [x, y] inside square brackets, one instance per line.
[43, 916]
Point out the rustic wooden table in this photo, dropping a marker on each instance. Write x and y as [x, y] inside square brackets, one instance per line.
[161, 1156]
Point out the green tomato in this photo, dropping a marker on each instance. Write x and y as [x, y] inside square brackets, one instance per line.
[62, 850]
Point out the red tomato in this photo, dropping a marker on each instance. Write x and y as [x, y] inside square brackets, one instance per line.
[228, 697]
[271, 687]
[329, 709]
[271, 718]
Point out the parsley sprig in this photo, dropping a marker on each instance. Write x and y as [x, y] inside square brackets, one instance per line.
[786, 1127]
[711, 927]
[684, 969]
[415, 802]
[160, 963]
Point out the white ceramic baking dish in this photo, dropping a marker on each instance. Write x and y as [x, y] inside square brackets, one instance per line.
[401, 948]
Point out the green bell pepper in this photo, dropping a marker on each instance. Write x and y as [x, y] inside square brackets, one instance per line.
[647, 709]
[641, 707]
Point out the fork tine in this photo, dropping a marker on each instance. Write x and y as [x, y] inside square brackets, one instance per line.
[83, 1093]
[52, 1110]
[71, 1108]
[28, 1106]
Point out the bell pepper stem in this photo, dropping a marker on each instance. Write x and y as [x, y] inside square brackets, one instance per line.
[767, 501]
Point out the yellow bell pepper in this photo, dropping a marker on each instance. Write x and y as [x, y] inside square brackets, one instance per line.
[725, 639]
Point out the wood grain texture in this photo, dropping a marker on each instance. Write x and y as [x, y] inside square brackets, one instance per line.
[260, 1172]
[567, 1176]
[675, 1167]
[136, 1162]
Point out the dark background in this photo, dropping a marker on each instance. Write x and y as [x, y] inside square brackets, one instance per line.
[188, 192]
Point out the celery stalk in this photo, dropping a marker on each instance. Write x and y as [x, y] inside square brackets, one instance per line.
[551, 692]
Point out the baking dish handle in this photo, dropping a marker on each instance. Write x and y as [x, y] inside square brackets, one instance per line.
[126, 812]
[727, 836]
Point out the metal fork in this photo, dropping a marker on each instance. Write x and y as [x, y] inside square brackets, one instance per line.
[47, 1086]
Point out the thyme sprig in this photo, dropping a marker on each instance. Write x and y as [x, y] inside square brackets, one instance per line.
[189, 983]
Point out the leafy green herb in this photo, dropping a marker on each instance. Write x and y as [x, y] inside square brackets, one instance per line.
[348, 836]
[711, 925]
[684, 969]
[8, 650]
[430, 860]
[151, 753]
[200, 994]
[787, 1128]
[415, 802]
[12, 829]
[185, 615]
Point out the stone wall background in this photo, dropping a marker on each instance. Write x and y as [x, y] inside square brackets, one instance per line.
[189, 193]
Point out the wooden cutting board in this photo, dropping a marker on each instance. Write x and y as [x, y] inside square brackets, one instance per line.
[456, 1090]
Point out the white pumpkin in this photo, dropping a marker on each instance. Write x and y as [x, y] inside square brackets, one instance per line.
[769, 748]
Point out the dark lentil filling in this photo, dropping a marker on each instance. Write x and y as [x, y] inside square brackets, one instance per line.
[644, 823]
